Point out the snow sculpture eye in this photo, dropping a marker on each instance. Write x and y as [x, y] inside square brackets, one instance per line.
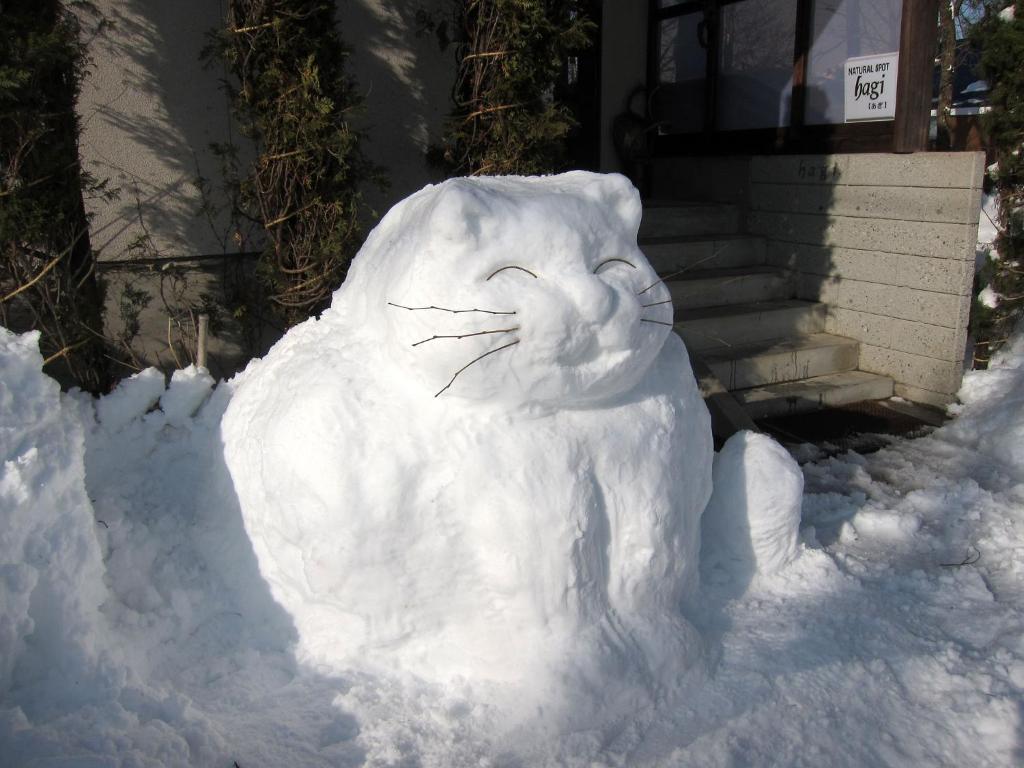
[511, 266]
[609, 261]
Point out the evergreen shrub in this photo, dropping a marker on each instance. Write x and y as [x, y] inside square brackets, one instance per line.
[293, 99]
[510, 55]
[1001, 38]
[47, 267]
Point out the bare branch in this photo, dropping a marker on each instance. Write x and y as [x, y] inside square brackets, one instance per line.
[65, 350]
[468, 335]
[453, 311]
[682, 271]
[969, 559]
[53, 263]
[475, 360]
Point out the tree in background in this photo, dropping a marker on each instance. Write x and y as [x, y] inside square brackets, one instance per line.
[1000, 35]
[47, 267]
[956, 47]
[949, 57]
[293, 99]
[511, 54]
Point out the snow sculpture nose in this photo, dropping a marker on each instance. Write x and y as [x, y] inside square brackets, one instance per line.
[592, 298]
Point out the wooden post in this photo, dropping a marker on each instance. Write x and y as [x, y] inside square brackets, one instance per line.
[204, 326]
[918, 42]
[801, 48]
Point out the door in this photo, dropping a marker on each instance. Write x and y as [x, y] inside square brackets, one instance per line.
[762, 75]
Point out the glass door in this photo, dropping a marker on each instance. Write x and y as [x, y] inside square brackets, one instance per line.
[723, 64]
[770, 75]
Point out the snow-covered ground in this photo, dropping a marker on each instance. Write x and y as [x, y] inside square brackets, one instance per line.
[895, 638]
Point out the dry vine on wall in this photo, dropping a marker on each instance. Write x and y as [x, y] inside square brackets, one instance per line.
[511, 54]
[47, 269]
[293, 99]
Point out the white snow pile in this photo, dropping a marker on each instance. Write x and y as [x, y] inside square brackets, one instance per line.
[142, 626]
[752, 521]
[51, 569]
[488, 460]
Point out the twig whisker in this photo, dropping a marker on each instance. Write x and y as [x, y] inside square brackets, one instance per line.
[709, 336]
[730, 281]
[467, 335]
[657, 303]
[683, 271]
[445, 309]
[656, 322]
[475, 360]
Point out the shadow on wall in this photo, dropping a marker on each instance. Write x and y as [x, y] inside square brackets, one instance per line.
[406, 80]
[151, 111]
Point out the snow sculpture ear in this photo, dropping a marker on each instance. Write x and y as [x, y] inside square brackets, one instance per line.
[618, 195]
[459, 212]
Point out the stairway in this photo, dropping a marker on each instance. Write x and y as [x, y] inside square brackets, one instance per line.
[757, 351]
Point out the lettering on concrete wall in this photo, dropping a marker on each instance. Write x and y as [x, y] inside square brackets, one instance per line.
[817, 172]
[871, 87]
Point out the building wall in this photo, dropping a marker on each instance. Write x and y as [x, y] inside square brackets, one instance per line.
[150, 112]
[887, 242]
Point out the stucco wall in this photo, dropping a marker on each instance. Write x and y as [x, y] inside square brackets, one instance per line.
[150, 112]
[887, 242]
[406, 79]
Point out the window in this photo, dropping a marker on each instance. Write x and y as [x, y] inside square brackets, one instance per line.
[843, 29]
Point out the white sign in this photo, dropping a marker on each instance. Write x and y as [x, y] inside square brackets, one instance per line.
[871, 87]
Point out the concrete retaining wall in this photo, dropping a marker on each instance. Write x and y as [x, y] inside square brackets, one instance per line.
[887, 242]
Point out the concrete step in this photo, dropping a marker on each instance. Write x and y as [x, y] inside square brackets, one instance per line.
[671, 254]
[813, 394]
[720, 287]
[679, 219]
[778, 360]
[718, 328]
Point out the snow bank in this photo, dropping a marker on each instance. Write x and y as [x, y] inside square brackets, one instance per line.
[51, 572]
[488, 460]
[76, 685]
[991, 417]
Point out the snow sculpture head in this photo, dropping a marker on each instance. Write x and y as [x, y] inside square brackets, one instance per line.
[544, 276]
[488, 459]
